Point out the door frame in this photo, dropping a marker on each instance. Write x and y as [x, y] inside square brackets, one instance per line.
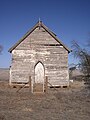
[34, 75]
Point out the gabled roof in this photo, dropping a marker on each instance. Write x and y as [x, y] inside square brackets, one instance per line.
[39, 24]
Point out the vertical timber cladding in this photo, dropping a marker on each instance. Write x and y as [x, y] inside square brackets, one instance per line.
[40, 45]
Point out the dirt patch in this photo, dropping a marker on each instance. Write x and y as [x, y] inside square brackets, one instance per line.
[62, 104]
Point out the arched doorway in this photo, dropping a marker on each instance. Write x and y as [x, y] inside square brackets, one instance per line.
[38, 85]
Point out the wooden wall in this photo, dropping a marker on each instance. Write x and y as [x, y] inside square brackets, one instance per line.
[40, 46]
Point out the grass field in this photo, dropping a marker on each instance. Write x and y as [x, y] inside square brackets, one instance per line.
[71, 103]
[64, 104]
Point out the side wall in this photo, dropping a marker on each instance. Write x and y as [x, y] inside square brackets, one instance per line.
[40, 46]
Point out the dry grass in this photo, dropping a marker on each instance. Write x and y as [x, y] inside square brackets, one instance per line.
[64, 104]
[4, 74]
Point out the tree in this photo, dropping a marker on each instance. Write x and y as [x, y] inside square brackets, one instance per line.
[84, 59]
[1, 48]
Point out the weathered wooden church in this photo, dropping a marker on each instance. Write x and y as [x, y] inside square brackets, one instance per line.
[39, 53]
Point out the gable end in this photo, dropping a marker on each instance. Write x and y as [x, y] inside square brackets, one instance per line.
[39, 24]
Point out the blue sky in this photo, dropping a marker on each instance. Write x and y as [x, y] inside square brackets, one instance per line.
[68, 19]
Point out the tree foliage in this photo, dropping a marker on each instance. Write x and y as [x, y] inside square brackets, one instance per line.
[84, 58]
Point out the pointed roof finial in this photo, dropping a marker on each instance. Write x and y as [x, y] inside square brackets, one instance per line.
[39, 19]
[39, 23]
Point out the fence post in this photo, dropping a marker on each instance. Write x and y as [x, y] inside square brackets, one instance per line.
[30, 83]
[46, 84]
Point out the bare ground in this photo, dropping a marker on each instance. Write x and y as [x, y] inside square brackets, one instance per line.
[64, 104]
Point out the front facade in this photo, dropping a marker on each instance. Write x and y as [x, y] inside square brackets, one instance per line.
[38, 54]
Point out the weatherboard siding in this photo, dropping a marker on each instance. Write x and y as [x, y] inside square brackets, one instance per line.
[40, 46]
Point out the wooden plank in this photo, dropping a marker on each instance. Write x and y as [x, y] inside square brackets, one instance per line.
[46, 84]
[30, 89]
